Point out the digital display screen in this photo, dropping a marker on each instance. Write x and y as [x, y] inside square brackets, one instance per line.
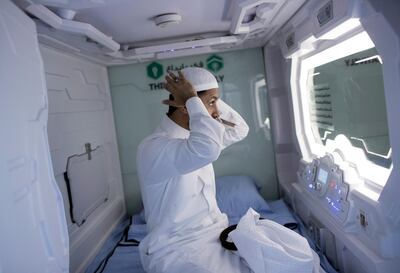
[322, 176]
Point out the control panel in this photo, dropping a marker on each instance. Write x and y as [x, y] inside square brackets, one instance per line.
[324, 180]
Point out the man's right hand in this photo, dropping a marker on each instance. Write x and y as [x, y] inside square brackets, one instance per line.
[180, 88]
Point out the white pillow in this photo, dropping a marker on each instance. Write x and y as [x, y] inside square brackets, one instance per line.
[236, 194]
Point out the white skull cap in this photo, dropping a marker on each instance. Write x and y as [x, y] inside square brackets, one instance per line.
[200, 78]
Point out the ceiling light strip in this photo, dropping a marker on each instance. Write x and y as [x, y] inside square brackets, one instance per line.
[186, 45]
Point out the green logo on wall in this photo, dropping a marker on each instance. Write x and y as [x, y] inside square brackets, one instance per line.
[155, 70]
[215, 63]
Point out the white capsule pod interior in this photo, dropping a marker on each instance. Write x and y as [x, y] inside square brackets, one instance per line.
[282, 157]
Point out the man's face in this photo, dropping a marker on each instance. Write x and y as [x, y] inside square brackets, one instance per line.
[210, 98]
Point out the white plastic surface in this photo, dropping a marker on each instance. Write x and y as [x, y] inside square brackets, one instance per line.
[88, 183]
[80, 111]
[33, 231]
[265, 11]
[80, 28]
[368, 239]
[130, 24]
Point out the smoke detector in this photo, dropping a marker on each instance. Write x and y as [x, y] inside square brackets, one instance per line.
[167, 19]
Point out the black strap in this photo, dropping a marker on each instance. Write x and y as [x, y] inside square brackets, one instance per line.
[223, 237]
[68, 184]
[123, 242]
[71, 205]
[291, 226]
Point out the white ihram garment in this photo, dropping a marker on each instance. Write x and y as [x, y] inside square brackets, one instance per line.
[270, 247]
[178, 191]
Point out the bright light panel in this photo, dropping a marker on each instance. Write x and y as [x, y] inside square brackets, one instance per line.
[357, 43]
[341, 29]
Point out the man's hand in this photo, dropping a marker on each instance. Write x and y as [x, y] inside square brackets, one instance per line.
[180, 88]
